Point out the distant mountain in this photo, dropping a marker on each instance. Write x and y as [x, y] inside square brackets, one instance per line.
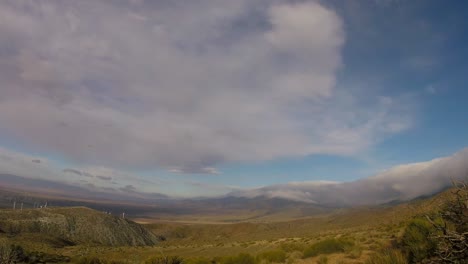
[64, 190]
[252, 209]
[76, 225]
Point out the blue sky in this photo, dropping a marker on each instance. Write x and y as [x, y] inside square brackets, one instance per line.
[211, 96]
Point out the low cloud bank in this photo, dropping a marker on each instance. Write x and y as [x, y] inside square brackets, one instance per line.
[400, 183]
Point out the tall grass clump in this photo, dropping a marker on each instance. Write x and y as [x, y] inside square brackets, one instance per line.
[322, 260]
[10, 254]
[389, 256]
[354, 252]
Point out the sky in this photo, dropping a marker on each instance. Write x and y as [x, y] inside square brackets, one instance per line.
[201, 98]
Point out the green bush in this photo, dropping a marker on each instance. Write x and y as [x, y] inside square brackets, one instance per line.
[327, 246]
[417, 242]
[274, 256]
[239, 259]
[389, 256]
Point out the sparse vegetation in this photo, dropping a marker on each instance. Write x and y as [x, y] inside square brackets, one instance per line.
[165, 260]
[293, 246]
[12, 254]
[274, 256]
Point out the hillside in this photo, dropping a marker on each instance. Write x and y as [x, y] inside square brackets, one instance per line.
[356, 219]
[363, 232]
[75, 225]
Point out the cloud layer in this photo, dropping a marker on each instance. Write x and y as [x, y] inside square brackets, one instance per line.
[184, 87]
[399, 183]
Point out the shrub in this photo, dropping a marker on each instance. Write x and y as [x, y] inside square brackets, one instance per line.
[275, 256]
[6, 256]
[10, 254]
[451, 238]
[354, 252]
[416, 241]
[293, 257]
[389, 256]
[327, 246]
[239, 259]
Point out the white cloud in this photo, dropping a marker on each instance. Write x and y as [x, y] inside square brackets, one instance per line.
[158, 84]
[403, 182]
[399, 183]
[15, 163]
[204, 170]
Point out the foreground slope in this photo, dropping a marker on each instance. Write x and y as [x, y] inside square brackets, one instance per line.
[75, 225]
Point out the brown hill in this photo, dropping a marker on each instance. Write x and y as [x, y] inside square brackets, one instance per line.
[76, 225]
